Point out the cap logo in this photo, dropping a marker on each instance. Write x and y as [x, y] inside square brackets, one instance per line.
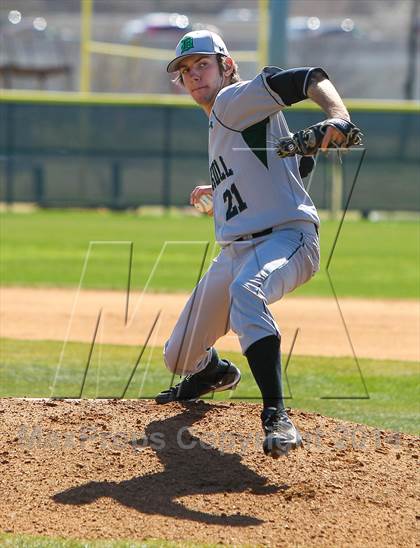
[186, 44]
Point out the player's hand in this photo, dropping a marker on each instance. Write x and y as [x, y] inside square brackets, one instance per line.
[201, 190]
[198, 192]
[332, 135]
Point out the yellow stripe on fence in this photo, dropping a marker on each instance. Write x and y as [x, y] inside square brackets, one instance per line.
[78, 98]
[156, 54]
[161, 99]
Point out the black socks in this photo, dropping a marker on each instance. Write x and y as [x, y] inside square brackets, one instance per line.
[264, 360]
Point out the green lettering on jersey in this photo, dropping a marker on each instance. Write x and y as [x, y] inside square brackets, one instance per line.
[256, 138]
[186, 44]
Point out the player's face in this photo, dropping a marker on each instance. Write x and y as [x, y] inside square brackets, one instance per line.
[202, 78]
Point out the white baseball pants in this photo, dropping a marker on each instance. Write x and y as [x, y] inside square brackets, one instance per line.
[235, 291]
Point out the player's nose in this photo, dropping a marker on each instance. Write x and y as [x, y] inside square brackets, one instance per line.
[194, 74]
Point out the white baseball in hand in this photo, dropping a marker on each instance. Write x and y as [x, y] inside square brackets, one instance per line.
[204, 204]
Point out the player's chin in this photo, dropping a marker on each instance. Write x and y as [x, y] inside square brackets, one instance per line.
[202, 96]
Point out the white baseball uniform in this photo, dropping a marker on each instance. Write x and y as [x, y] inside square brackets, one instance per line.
[253, 192]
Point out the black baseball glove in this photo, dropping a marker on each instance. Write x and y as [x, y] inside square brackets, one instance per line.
[306, 165]
[308, 141]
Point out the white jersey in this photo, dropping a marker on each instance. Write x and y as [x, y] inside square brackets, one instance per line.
[253, 189]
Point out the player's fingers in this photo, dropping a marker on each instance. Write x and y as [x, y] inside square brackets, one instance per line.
[327, 138]
[338, 137]
[195, 195]
[207, 191]
[200, 191]
[332, 135]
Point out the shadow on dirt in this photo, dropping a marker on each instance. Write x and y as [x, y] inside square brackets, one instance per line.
[191, 468]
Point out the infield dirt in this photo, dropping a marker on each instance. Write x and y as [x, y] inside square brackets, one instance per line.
[132, 469]
[382, 329]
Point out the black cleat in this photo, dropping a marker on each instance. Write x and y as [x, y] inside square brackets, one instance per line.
[280, 433]
[192, 387]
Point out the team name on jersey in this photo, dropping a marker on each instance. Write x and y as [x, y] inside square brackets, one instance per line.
[219, 172]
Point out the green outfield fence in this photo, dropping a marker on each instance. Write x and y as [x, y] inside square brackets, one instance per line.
[74, 151]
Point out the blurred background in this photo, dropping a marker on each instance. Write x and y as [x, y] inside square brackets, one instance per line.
[370, 47]
[89, 116]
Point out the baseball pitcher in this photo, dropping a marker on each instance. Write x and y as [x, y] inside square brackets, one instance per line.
[265, 222]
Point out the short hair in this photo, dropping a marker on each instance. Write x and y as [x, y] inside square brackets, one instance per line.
[221, 61]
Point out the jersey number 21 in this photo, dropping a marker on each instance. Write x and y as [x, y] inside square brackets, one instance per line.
[231, 196]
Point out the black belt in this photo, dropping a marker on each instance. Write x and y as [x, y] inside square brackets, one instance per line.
[262, 233]
[255, 235]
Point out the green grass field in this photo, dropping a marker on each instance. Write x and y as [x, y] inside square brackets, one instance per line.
[48, 248]
[25, 541]
[28, 368]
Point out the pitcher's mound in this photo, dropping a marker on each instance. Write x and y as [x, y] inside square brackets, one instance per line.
[131, 469]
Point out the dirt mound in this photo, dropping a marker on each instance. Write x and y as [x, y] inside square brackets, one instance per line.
[132, 469]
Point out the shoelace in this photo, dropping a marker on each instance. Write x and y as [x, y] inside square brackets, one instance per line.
[185, 380]
[276, 420]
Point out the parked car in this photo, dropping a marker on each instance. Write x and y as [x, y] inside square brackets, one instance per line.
[155, 25]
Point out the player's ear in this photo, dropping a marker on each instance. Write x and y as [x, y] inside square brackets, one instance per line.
[228, 66]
